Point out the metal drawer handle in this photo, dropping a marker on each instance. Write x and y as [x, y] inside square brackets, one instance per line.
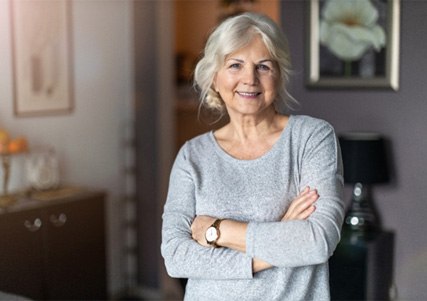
[58, 221]
[33, 226]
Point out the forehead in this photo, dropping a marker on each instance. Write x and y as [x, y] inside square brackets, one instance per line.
[255, 48]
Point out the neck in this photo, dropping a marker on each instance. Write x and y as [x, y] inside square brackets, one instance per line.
[252, 128]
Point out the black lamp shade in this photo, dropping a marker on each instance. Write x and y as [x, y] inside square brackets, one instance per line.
[364, 158]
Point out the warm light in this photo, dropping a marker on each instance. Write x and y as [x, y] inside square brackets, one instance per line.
[17, 145]
[9, 146]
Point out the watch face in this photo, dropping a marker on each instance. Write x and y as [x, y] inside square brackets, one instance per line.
[211, 234]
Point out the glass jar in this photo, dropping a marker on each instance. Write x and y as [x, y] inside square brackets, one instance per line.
[42, 169]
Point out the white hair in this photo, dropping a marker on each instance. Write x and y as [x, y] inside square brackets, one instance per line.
[231, 35]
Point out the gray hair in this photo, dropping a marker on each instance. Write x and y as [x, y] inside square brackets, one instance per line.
[231, 35]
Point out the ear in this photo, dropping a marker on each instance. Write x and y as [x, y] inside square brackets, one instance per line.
[214, 84]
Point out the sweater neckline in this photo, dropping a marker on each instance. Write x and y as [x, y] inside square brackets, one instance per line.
[223, 154]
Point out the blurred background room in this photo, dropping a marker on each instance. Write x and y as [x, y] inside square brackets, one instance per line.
[122, 70]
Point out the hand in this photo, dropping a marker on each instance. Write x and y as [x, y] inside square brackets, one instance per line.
[302, 206]
[200, 224]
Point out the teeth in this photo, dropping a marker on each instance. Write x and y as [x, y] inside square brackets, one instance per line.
[248, 93]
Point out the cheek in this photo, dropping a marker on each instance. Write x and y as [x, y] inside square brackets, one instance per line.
[275, 85]
[224, 84]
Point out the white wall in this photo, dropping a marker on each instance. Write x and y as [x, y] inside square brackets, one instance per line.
[88, 141]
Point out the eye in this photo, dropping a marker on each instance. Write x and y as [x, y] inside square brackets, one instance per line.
[235, 66]
[263, 67]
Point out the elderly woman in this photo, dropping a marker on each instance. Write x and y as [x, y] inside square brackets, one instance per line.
[254, 209]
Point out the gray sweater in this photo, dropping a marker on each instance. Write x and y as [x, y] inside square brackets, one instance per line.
[205, 180]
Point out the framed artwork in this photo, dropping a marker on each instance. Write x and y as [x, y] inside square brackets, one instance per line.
[42, 57]
[353, 44]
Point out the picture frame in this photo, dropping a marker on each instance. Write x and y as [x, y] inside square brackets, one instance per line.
[330, 66]
[42, 57]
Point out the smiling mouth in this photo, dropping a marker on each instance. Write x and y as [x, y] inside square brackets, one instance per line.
[249, 94]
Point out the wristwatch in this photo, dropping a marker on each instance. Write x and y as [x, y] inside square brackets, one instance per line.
[212, 233]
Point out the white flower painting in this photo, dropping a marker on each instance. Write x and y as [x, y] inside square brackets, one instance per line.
[353, 44]
[348, 28]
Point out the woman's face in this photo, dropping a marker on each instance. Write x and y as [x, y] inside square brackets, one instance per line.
[248, 80]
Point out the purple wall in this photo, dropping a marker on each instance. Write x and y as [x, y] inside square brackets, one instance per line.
[401, 116]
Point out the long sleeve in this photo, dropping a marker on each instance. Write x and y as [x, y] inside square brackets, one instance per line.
[185, 258]
[205, 180]
[298, 243]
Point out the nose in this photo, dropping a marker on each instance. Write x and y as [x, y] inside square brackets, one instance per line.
[250, 76]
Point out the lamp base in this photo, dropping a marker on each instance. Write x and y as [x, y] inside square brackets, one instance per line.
[362, 215]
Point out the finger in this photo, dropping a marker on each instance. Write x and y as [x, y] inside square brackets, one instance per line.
[306, 193]
[305, 190]
[304, 201]
[299, 205]
[306, 213]
[300, 215]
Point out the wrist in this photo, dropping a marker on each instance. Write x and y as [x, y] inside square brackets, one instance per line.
[260, 265]
[233, 235]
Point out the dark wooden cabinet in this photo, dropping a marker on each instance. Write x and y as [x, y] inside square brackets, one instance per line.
[362, 267]
[21, 253]
[55, 250]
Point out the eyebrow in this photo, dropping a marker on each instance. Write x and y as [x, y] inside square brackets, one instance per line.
[242, 61]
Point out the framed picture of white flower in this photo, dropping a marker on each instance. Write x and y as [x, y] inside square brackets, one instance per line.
[353, 44]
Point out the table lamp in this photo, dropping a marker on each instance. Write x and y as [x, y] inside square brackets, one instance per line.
[365, 163]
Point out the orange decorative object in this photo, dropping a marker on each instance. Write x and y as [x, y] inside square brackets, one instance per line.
[17, 145]
[10, 146]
